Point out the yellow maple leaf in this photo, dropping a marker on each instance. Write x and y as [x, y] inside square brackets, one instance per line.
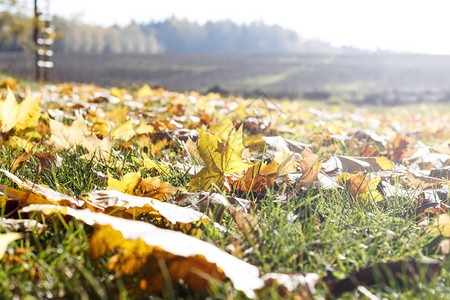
[16, 142]
[19, 116]
[222, 155]
[124, 131]
[133, 184]
[285, 161]
[144, 128]
[150, 164]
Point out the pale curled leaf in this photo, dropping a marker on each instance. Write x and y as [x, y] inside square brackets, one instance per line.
[291, 281]
[213, 202]
[68, 137]
[115, 199]
[45, 192]
[22, 225]
[6, 239]
[245, 277]
[357, 164]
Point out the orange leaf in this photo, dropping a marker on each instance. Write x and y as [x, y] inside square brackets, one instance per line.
[257, 177]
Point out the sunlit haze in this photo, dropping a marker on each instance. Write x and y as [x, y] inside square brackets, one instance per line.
[400, 25]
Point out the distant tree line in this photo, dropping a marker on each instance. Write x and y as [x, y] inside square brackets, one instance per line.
[178, 36]
[181, 36]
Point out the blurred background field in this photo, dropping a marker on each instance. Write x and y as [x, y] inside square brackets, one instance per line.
[372, 79]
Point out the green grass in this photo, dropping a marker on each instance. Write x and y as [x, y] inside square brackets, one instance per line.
[316, 230]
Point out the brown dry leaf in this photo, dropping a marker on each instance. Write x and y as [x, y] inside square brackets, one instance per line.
[401, 148]
[248, 224]
[134, 184]
[18, 161]
[422, 182]
[369, 151]
[399, 272]
[191, 147]
[426, 206]
[361, 187]
[159, 146]
[257, 178]
[196, 261]
[443, 173]
[309, 171]
[46, 160]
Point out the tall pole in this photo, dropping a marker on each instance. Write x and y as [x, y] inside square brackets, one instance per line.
[36, 35]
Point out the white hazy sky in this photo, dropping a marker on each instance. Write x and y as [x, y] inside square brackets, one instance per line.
[399, 25]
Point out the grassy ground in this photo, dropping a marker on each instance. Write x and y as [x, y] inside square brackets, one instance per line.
[316, 230]
[350, 236]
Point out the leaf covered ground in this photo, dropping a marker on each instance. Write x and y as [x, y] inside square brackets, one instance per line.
[138, 192]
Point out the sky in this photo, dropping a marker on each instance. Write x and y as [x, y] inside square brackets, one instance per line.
[398, 25]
